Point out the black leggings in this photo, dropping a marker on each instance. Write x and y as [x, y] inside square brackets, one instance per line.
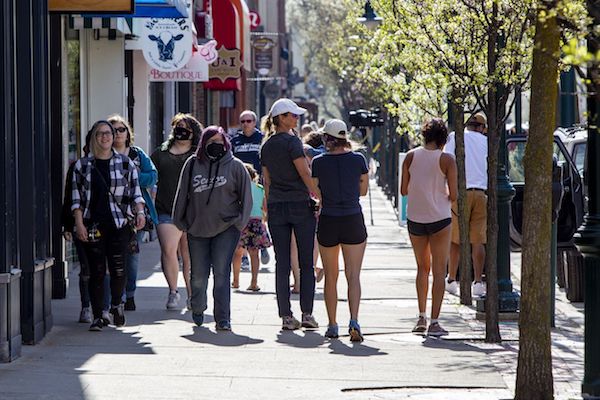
[110, 250]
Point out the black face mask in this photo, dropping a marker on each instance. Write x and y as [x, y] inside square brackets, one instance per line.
[215, 151]
[181, 133]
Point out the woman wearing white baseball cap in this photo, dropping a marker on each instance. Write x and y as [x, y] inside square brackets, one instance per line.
[342, 176]
[287, 182]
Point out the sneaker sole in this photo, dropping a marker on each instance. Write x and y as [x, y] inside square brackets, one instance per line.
[420, 330]
[310, 327]
[95, 329]
[437, 334]
[356, 336]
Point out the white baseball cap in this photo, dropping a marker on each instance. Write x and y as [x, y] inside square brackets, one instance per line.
[336, 128]
[283, 106]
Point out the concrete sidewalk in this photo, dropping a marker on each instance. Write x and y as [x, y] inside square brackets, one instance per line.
[161, 354]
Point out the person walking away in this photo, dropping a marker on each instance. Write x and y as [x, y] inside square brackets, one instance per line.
[212, 204]
[429, 181]
[342, 176]
[105, 193]
[476, 151]
[254, 236]
[169, 159]
[287, 181]
[148, 177]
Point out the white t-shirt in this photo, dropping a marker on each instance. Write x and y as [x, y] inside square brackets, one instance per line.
[476, 152]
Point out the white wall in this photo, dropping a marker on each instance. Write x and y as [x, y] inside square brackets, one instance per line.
[141, 95]
[105, 72]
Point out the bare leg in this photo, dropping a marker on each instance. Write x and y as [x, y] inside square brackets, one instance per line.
[454, 259]
[184, 251]
[237, 266]
[478, 251]
[353, 258]
[295, 264]
[169, 236]
[423, 256]
[440, 245]
[330, 259]
[255, 265]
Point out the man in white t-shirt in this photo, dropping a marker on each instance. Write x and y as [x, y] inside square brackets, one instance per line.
[476, 151]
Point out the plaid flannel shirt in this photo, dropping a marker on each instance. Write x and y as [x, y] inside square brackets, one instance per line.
[124, 185]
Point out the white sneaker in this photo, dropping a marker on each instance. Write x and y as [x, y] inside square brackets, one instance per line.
[452, 287]
[245, 264]
[173, 300]
[478, 289]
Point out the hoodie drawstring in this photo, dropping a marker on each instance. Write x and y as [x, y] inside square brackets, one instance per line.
[214, 181]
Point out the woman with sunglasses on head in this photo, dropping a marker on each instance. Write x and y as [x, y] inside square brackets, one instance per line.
[105, 192]
[213, 205]
[342, 176]
[147, 177]
[287, 183]
[169, 159]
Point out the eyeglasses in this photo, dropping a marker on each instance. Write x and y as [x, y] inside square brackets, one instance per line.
[121, 129]
[246, 121]
[104, 133]
[293, 115]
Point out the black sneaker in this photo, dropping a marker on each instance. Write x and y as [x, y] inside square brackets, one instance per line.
[129, 304]
[97, 325]
[118, 314]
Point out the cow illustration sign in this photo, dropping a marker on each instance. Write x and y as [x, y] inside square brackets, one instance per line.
[167, 43]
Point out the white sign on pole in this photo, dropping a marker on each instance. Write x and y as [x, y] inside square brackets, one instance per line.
[167, 43]
[196, 70]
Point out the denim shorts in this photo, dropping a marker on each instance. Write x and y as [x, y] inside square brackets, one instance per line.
[165, 219]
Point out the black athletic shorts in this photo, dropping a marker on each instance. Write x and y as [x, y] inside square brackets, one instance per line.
[348, 229]
[417, 229]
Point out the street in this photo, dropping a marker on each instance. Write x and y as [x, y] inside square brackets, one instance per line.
[161, 354]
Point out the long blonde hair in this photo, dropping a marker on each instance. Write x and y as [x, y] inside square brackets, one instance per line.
[269, 126]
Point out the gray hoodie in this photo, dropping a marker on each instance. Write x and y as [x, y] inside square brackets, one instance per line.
[221, 196]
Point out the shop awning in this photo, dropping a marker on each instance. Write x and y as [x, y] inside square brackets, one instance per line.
[152, 9]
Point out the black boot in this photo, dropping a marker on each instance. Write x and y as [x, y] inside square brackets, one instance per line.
[130, 304]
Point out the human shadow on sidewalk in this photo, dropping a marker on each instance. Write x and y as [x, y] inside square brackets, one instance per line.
[354, 349]
[310, 339]
[203, 334]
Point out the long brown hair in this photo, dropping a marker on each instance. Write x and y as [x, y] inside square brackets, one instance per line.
[115, 119]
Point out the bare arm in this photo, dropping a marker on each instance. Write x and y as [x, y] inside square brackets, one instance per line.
[364, 184]
[266, 182]
[80, 229]
[318, 191]
[405, 175]
[304, 172]
[449, 167]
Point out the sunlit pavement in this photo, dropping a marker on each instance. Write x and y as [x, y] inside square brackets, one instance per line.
[161, 354]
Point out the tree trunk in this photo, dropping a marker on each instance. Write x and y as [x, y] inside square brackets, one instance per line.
[463, 223]
[534, 369]
[495, 123]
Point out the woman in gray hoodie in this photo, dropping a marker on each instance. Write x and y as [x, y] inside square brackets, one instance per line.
[212, 204]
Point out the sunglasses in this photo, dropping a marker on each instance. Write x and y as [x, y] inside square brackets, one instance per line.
[246, 121]
[121, 129]
[293, 115]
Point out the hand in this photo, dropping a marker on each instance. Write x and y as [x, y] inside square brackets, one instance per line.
[81, 232]
[140, 221]
[68, 236]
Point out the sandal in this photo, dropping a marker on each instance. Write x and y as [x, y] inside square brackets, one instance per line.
[253, 288]
[235, 285]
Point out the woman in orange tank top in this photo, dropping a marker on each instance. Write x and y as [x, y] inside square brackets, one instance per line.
[430, 182]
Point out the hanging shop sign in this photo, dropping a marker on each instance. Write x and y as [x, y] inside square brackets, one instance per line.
[86, 6]
[254, 20]
[196, 70]
[227, 65]
[263, 55]
[167, 43]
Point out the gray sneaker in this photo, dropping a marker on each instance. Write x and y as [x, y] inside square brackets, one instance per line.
[421, 326]
[85, 316]
[308, 321]
[106, 318]
[436, 330]
[290, 323]
[173, 300]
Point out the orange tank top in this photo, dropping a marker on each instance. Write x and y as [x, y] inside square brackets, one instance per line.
[428, 188]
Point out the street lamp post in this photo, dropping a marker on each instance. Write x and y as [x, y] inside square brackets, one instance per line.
[370, 19]
[587, 238]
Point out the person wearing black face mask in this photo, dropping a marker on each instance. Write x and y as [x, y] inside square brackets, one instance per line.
[169, 160]
[212, 204]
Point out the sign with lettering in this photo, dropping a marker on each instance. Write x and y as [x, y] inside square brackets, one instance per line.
[196, 70]
[254, 19]
[227, 65]
[167, 43]
[86, 6]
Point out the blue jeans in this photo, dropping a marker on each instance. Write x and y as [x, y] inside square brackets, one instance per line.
[214, 252]
[131, 268]
[283, 218]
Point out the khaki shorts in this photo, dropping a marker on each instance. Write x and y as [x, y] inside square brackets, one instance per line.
[477, 211]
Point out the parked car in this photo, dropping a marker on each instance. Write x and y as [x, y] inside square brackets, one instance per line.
[572, 206]
[575, 140]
